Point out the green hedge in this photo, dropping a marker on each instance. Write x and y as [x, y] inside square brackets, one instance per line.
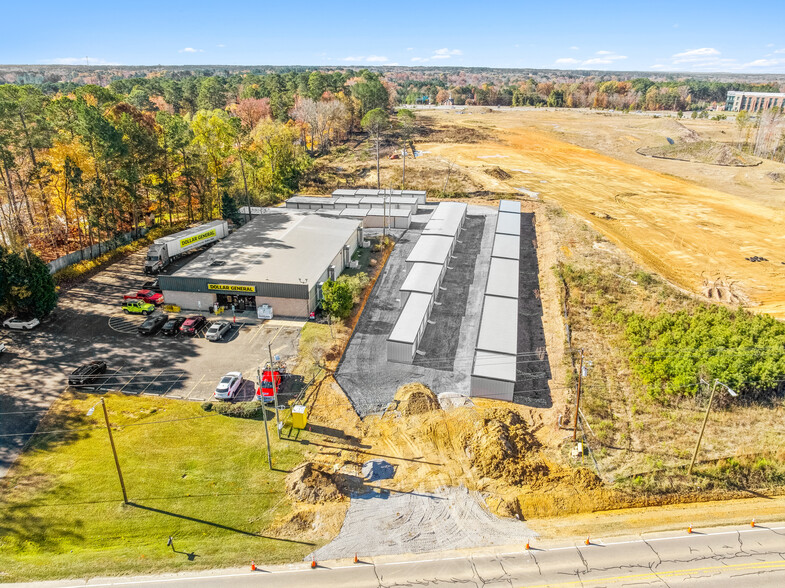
[245, 410]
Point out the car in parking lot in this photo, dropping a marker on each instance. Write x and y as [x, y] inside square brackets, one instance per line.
[228, 386]
[2, 347]
[152, 285]
[137, 307]
[20, 323]
[217, 330]
[87, 374]
[193, 324]
[153, 324]
[147, 296]
[172, 326]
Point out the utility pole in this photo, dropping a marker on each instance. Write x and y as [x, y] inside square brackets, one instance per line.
[264, 416]
[578, 399]
[275, 389]
[114, 451]
[706, 418]
[403, 180]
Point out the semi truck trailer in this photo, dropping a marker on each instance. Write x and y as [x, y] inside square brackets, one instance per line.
[166, 249]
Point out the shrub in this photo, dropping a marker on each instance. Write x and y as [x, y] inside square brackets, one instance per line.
[207, 406]
[245, 410]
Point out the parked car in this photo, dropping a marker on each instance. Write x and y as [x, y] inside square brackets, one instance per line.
[217, 330]
[137, 307]
[153, 324]
[2, 347]
[172, 326]
[152, 285]
[147, 296]
[228, 386]
[21, 324]
[192, 324]
[87, 374]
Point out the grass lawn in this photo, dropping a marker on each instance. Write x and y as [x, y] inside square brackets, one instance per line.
[201, 478]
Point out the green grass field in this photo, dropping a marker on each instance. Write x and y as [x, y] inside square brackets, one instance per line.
[199, 477]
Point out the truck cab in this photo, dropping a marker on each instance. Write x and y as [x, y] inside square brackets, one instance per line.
[157, 258]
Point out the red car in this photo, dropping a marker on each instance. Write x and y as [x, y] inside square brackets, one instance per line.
[192, 324]
[267, 392]
[147, 295]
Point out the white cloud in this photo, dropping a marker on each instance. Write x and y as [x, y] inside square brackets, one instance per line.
[440, 56]
[376, 58]
[567, 60]
[574, 48]
[604, 52]
[419, 59]
[447, 52]
[220, 45]
[780, 51]
[676, 25]
[80, 61]
[658, 66]
[191, 50]
[764, 63]
[394, 63]
[353, 58]
[695, 55]
[410, 48]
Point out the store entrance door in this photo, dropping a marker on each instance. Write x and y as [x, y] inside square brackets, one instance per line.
[241, 302]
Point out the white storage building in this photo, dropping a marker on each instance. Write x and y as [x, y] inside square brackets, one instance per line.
[508, 223]
[430, 249]
[423, 278]
[507, 246]
[409, 328]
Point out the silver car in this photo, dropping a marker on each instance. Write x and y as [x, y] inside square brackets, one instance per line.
[21, 324]
[217, 330]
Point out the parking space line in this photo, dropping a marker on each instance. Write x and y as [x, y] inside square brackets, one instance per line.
[152, 381]
[188, 396]
[131, 379]
[176, 381]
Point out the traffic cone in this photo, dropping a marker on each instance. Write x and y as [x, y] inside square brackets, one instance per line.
[253, 566]
[689, 529]
[356, 560]
[527, 546]
[313, 563]
[752, 524]
[588, 541]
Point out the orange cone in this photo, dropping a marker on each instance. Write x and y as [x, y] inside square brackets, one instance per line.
[356, 560]
[528, 546]
[588, 541]
[752, 524]
[313, 563]
[689, 529]
[253, 566]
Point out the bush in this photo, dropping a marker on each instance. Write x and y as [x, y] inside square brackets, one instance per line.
[207, 406]
[245, 410]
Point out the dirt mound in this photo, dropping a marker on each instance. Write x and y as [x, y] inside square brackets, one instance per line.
[497, 172]
[416, 398]
[677, 131]
[502, 447]
[702, 152]
[776, 176]
[308, 484]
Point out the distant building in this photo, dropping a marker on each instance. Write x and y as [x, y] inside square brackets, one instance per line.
[753, 101]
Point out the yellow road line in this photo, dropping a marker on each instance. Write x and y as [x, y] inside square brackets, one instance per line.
[777, 564]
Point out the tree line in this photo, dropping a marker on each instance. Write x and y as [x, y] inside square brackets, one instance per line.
[80, 164]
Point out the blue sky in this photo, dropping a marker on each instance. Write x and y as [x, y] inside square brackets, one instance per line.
[610, 35]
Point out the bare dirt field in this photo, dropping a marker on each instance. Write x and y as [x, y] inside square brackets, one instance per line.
[683, 229]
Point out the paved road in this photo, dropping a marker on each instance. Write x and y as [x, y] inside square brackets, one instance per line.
[716, 557]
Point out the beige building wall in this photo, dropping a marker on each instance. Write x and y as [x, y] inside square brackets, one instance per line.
[189, 300]
[285, 306]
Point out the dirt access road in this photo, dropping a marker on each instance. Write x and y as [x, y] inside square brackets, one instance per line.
[692, 235]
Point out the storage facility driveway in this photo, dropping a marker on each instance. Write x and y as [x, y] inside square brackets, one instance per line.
[367, 377]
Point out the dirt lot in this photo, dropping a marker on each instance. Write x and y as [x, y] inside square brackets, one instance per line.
[689, 222]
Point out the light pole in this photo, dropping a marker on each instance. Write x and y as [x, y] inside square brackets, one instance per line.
[264, 416]
[578, 400]
[706, 418]
[111, 442]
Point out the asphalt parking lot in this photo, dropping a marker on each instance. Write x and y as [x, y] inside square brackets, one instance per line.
[88, 324]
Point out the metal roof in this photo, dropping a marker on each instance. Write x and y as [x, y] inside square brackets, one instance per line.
[508, 223]
[363, 212]
[509, 206]
[508, 246]
[344, 192]
[414, 313]
[446, 220]
[503, 278]
[422, 277]
[499, 325]
[449, 210]
[496, 366]
[431, 249]
[368, 192]
[324, 200]
[283, 245]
